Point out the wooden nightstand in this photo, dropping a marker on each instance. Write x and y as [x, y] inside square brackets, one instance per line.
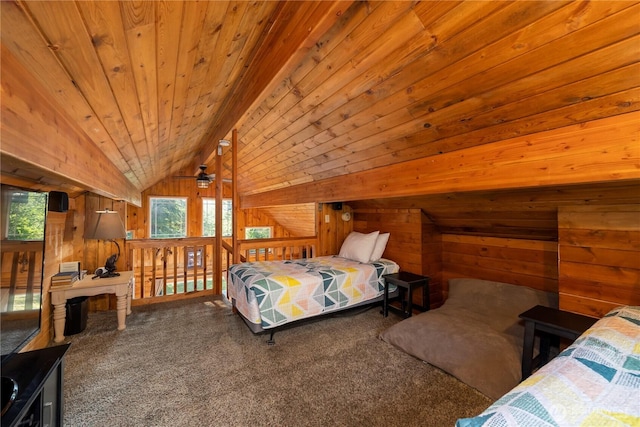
[552, 324]
[408, 282]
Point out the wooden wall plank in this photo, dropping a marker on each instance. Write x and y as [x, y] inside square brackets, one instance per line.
[599, 253]
[521, 262]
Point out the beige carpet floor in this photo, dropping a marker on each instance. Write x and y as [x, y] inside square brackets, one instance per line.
[195, 363]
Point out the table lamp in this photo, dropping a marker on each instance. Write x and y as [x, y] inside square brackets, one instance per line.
[108, 227]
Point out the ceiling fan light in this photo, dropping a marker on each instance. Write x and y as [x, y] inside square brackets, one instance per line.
[202, 182]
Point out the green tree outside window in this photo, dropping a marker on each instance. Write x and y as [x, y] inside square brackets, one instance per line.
[27, 216]
[209, 217]
[168, 218]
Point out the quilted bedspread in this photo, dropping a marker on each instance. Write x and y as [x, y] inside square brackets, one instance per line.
[272, 293]
[594, 382]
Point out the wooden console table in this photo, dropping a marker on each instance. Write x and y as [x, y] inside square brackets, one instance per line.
[121, 286]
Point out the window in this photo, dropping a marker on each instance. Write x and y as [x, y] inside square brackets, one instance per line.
[26, 215]
[257, 233]
[209, 217]
[168, 217]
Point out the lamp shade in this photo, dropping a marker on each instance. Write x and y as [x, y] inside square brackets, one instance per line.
[108, 226]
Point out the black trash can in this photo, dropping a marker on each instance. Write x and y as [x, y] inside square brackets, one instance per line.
[77, 313]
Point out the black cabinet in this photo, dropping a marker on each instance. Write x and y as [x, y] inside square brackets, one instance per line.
[39, 376]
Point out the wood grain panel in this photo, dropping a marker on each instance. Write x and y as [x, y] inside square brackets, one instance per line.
[521, 262]
[37, 63]
[599, 255]
[62, 27]
[103, 22]
[31, 127]
[139, 30]
[432, 259]
[600, 151]
[322, 89]
[414, 243]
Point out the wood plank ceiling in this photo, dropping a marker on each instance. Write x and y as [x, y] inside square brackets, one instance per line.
[315, 89]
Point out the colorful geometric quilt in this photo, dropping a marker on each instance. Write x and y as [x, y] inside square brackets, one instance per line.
[272, 293]
[594, 382]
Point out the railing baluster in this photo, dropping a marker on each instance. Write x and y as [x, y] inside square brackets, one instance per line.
[175, 269]
[164, 270]
[141, 281]
[185, 267]
[195, 267]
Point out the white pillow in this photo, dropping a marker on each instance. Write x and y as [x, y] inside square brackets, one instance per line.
[358, 246]
[378, 249]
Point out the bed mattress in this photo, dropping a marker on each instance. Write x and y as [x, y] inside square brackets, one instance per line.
[594, 382]
[272, 293]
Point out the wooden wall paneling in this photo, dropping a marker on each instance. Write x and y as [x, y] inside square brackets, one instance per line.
[410, 234]
[331, 233]
[405, 228]
[299, 219]
[599, 249]
[174, 187]
[405, 238]
[194, 216]
[432, 259]
[528, 263]
[262, 218]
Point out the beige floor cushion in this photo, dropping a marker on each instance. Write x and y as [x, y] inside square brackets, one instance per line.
[475, 336]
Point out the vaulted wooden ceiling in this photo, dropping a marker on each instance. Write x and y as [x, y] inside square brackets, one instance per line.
[119, 95]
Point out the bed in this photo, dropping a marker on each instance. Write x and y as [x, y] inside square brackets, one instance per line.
[593, 382]
[271, 294]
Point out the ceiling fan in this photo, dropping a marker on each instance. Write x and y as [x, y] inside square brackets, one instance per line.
[203, 179]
